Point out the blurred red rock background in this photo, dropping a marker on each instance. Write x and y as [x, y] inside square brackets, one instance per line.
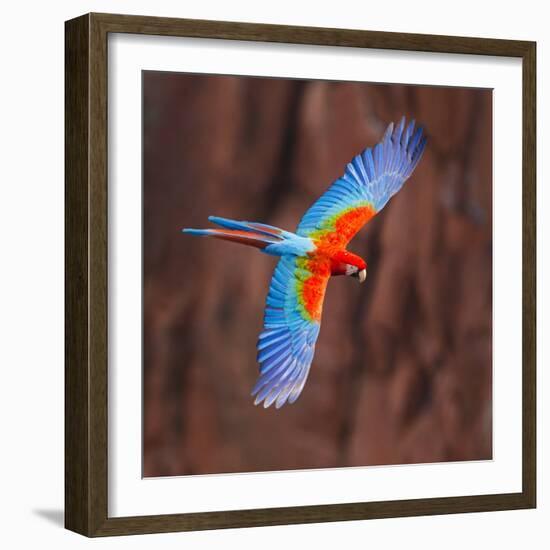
[402, 371]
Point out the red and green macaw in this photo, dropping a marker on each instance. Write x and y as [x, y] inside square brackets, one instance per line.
[316, 252]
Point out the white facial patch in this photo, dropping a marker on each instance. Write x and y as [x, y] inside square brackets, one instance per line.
[351, 269]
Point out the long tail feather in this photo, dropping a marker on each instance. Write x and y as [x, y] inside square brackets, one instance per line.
[255, 227]
[236, 235]
[269, 239]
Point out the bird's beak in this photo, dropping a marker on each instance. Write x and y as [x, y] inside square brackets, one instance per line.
[362, 275]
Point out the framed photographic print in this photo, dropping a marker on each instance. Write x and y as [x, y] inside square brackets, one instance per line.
[300, 275]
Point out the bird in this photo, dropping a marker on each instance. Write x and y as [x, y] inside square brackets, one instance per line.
[316, 251]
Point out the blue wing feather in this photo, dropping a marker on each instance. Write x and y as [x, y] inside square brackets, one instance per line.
[287, 343]
[371, 178]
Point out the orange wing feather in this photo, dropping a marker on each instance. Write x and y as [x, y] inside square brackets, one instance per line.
[338, 230]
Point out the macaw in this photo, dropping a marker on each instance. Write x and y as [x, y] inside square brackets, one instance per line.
[314, 253]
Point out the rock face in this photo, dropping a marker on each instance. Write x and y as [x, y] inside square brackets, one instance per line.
[403, 367]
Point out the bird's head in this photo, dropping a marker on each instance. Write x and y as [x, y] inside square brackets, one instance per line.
[350, 264]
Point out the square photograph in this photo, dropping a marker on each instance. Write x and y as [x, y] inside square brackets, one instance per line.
[317, 274]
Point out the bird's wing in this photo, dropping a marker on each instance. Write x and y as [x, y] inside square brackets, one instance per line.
[369, 181]
[291, 326]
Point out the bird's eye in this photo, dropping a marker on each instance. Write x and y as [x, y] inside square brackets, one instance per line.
[351, 270]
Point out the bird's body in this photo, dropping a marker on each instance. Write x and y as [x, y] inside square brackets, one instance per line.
[317, 251]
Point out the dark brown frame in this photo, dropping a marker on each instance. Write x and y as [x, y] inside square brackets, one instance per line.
[86, 274]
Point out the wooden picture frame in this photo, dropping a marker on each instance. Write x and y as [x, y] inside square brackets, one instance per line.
[86, 414]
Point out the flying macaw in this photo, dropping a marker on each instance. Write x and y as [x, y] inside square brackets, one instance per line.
[314, 253]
